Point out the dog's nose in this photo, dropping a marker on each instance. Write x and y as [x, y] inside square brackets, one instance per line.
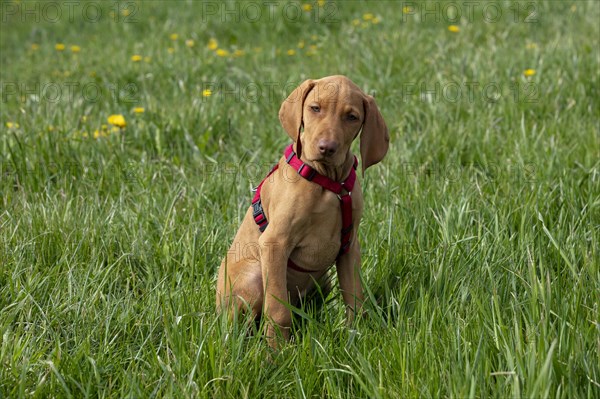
[327, 147]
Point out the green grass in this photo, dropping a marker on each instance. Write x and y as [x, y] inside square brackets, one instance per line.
[481, 228]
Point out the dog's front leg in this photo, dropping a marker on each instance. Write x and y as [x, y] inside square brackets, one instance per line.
[348, 271]
[278, 317]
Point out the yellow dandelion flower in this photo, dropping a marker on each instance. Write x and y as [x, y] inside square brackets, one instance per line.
[75, 49]
[368, 16]
[59, 47]
[213, 44]
[117, 120]
[356, 22]
[291, 52]
[11, 125]
[50, 128]
[84, 118]
[173, 36]
[136, 58]
[321, 3]
[222, 53]
[206, 93]
[125, 12]
[376, 20]
[529, 72]
[35, 46]
[170, 50]
[454, 28]
[307, 7]
[301, 44]
[139, 110]
[407, 9]
[84, 135]
[190, 43]
[97, 133]
[238, 53]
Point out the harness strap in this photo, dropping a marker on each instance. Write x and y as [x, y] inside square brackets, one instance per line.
[310, 174]
[257, 209]
[347, 226]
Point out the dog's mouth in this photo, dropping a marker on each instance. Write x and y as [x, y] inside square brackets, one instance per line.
[327, 165]
[324, 160]
[329, 159]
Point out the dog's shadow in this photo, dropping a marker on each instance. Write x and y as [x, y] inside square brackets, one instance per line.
[386, 302]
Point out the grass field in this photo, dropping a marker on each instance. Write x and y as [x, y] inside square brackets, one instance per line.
[481, 228]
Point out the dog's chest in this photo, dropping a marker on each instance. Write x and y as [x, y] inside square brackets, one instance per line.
[320, 244]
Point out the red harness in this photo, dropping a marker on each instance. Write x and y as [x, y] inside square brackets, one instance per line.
[312, 175]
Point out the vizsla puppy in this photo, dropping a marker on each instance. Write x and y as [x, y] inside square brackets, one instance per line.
[306, 213]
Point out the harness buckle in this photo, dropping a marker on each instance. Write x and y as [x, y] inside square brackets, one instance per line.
[290, 157]
[312, 172]
[340, 196]
[259, 216]
[257, 208]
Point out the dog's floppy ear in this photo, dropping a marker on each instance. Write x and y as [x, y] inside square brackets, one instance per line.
[374, 138]
[290, 113]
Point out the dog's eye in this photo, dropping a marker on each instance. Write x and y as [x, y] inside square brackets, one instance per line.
[315, 108]
[352, 117]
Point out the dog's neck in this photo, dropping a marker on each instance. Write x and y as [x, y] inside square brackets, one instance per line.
[335, 173]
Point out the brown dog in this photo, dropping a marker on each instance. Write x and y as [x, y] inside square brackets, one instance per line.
[264, 271]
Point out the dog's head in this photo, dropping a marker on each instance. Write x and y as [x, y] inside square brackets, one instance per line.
[333, 111]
